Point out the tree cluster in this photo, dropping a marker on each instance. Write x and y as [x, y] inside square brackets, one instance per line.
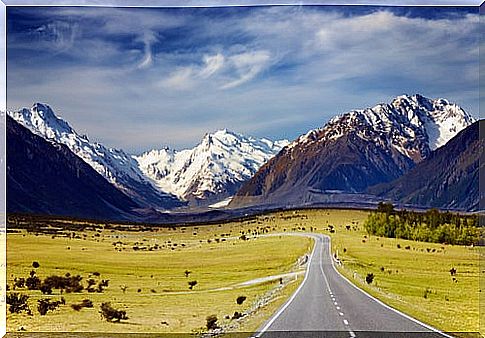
[430, 226]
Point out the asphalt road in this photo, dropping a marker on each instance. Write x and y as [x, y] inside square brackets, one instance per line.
[328, 305]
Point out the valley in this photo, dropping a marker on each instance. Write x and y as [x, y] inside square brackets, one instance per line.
[411, 276]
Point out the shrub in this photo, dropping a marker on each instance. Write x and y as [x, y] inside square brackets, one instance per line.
[35, 265]
[85, 303]
[240, 300]
[192, 284]
[110, 314]
[33, 283]
[369, 278]
[46, 289]
[18, 303]
[19, 282]
[237, 315]
[187, 273]
[76, 307]
[211, 322]
[44, 305]
[453, 271]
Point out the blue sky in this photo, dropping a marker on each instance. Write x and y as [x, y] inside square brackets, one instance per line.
[142, 78]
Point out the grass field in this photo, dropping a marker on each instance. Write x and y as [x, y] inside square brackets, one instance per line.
[164, 302]
[415, 280]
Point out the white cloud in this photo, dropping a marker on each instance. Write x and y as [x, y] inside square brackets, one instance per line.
[293, 61]
[248, 66]
[181, 79]
[211, 65]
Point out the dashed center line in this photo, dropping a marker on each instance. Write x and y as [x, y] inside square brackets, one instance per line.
[338, 307]
[341, 313]
[346, 322]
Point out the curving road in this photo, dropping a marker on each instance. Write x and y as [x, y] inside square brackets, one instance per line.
[328, 305]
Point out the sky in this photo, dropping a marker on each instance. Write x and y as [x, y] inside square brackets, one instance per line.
[144, 78]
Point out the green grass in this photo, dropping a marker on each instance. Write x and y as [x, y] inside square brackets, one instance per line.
[213, 266]
[407, 274]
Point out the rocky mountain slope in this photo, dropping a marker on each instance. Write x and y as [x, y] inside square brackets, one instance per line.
[115, 165]
[448, 178]
[47, 178]
[211, 171]
[355, 150]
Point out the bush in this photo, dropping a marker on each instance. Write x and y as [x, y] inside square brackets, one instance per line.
[110, 314]
[369, 278]
[18, 303]
[240, 300]
[68, 283]
[46, 289]
[33, 283]
[237, 315]
[35, 265]
[85, 303]
[211, 322]
[192, 284]
[44, 305]
[19, 282]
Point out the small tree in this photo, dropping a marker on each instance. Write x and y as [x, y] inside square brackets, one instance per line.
[35, 265]
[240, 300]
[369, 278]
[110, 314]
[187, 273]
[211, 322]
[192, 284]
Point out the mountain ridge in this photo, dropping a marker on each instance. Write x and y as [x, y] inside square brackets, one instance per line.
[46, 177]
[355, 150]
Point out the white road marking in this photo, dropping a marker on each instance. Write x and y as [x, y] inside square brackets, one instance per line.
[382, 303]
[352, 334]
[335, 303]
[341, 313]
[346, 322]
[338, 307]
[267, 326]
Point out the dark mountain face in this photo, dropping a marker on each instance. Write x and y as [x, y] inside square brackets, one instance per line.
[448, 178]
[47, 178]
[354, 151]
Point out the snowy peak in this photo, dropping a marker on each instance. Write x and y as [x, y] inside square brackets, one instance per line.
[212, 170]
[412, 125]
[42, 121]
[115, 165]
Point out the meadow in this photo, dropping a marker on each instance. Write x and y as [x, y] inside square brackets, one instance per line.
[146, 272]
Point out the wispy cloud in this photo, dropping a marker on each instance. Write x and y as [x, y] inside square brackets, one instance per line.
[248, 66]
[243, 68]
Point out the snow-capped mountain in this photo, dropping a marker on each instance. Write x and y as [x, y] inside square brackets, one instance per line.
[212, 170]
[413, 125]
[355, 150]
[115, 165]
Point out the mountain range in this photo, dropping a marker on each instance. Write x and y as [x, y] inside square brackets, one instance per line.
[162, 179]
[358, 156]
[211, 171]
[354, 151]
[448, 178]
[47, 178]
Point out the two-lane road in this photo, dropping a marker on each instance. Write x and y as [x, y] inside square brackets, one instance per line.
[328, 305]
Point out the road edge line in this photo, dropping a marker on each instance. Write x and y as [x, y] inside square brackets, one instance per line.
[429, 327]
[288, 302]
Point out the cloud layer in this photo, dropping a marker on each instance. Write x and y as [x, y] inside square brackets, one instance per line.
[140, 78]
